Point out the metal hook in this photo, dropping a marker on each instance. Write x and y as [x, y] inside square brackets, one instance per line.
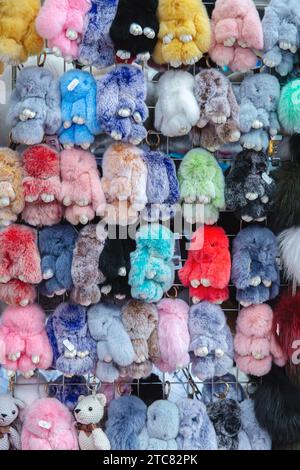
[41, 59]
[150, 142]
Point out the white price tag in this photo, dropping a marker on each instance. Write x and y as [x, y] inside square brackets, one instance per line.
[68, 345]
[44, 424]
[267, 178]
[74, 83]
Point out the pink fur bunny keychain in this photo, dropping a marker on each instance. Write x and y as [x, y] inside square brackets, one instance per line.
[236, 34]
[173, 334]
[61, 22]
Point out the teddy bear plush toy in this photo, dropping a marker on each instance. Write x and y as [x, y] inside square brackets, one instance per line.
[236, 34]
[196, 431]
[207, 269]
[114, 263]
[22, 331]
[211, 344]
[173, 335]
[96, 48]
[121, 107]
[74, 350]
[18, 36]
[226, 417]
[56, 246]
[161, 428]
[201, 184]
[41, 186]
[288, 107]
[9, 411]
[61, 23]
[176, 109]
[11, 193]
[34, 107]
[85, 271]
[88, 413]
[255, 344]
[18, 274]
[81, 191]
[258, 97]
[114, 348]
[184, 32]
[78, 109]
[124, 183]
[140, 322]
[254, 267]
[134, 29]
[249, 188]
[162, 187]
[152, 269]
[281, 23]
[219, 111]
[49, 425]
[126, 420]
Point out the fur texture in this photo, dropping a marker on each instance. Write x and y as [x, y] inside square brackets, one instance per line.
[286, 324]
[124, 183]
[207, 269]
[162, 427]
[74, 350]
[277, 407]
[219, 111]
[18, 272]
[280, 24]
[18, 36]
[254, 267]
[286, 212]
[236, 34]
[258, 97]
[114, 347]
[196, 431]
[81, 190]
[34, 108]
[121, 107]
[227, 420]
[173, 335]
[61, 23]
[184, 32]
[258, 437]
[88, 413]
[26, 344]
[176, 110]
[289, 253]
[68, 389]
[223, 387]
[41, 186]
[149, 389]
[96, 48]
[11, 193]
[126, 419]
[85, 271]
[9, 411]
[255, 343]
[114, 263]
[152, 268]
[56, 246]
[60, 432]
[78, 109]
[211, 342]
[201, 183]
[288, 107]
[162, 187]
[134, 29]
[249, 190]
[140, 322]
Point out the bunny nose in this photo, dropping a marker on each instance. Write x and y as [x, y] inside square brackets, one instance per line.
[77, 410]
[3, 415]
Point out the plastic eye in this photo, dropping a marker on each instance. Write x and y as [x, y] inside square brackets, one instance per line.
[13, 412]
[90, 408]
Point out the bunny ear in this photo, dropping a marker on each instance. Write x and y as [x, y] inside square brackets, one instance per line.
[19, 403]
